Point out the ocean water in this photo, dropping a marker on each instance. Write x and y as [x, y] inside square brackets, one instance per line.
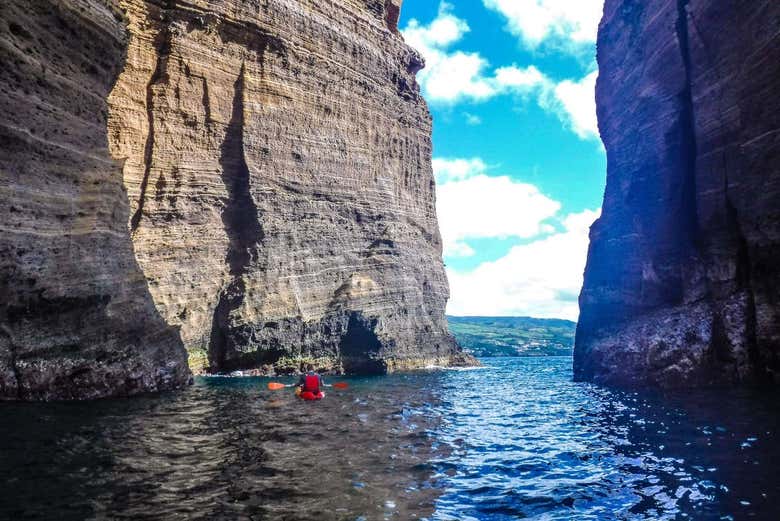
[514, 440]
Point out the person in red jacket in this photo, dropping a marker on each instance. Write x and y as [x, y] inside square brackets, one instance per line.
[311, 382]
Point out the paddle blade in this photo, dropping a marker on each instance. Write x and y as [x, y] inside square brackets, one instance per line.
[340, 385]
[275, 386]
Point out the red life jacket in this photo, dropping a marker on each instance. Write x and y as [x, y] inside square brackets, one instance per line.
[312, 383]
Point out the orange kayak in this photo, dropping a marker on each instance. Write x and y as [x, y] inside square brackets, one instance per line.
[308, 395]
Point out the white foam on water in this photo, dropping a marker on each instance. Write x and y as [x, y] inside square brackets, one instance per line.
[445, 368]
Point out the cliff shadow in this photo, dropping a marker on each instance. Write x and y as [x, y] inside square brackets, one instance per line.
[241, 221]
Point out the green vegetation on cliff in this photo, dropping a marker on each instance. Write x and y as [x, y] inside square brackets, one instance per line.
[513, 336]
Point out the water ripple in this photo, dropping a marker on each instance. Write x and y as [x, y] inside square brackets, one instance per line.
[517, 439]
[538, 445]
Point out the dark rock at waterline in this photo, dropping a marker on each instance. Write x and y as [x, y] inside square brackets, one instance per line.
[682, 285]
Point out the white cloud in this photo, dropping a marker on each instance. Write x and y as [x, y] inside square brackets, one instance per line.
[541, 279]
[453, 76]
[476, 206]
[459, 249]
[472, 119]
[567, 24]
[516, 79]
[575, 104]
[448, 76]
[447, 169]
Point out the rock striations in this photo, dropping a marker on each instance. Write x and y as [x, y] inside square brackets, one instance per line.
[76, 316]
[249, 180]
[682, 285]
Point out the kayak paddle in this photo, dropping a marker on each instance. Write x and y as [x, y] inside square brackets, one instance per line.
[275, 386]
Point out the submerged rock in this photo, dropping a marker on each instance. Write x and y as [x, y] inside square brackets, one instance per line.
[682, 285]
[249, 181]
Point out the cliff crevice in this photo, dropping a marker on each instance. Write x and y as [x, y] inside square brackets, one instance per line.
[10, 383]
[688, 145]
[162, 49]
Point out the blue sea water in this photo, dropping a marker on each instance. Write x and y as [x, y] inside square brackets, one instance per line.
[516, 439]
[531, 443]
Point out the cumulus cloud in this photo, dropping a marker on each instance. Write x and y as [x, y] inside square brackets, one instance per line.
[454, 76]
[574, 102]
[454, 169]
[472, 205]
[541, 279]
[448, 76]
[517, 79]
[566, 24]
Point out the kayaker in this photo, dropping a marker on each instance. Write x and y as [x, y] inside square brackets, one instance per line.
[311, 381]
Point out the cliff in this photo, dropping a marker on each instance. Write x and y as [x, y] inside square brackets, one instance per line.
[682, 285]
[247, 180]
[76, 316]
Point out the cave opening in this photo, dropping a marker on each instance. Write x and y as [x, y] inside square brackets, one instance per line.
[360, 346]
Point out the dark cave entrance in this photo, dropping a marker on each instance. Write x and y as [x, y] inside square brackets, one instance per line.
[360, 347]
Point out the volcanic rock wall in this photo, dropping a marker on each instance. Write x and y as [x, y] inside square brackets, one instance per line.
[277, 161]
[268, 193]
[682, 285]
[76, 317]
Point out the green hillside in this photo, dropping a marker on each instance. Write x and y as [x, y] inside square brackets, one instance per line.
[513, 336]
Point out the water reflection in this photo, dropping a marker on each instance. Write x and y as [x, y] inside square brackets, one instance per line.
[516, 440]
[224, 449]
[538, 445]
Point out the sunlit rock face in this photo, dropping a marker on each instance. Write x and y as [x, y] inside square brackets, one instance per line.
[76, 317]
[248, 179]
[682, 285]
[277, 161]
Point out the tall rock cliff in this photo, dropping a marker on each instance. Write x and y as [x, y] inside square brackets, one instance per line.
[249, 179]
[682, 285]
[277, 160]
[76, 316]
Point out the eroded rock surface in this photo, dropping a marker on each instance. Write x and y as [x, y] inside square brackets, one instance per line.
[682, 285]
[76, 317]
[277, 160]
[278, 199]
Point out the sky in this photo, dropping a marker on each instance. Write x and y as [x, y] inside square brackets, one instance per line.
[519, 166]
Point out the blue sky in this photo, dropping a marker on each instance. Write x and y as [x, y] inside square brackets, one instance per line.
[519, 165]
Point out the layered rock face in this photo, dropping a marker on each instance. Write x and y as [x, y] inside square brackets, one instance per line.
[76, 317]
[682, 285]
[277, 161]
[279, 194]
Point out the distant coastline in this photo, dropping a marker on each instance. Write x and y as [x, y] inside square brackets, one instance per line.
[487, 337]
